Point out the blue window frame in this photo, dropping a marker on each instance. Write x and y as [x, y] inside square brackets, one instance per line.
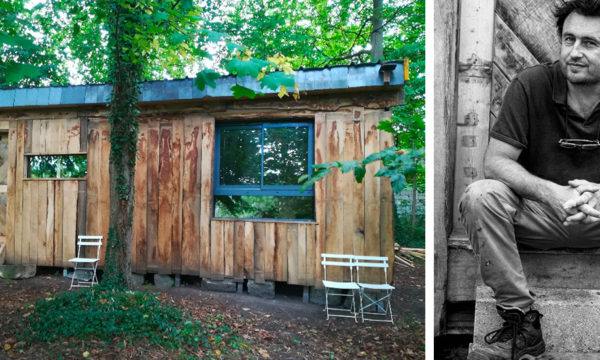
[264, 160]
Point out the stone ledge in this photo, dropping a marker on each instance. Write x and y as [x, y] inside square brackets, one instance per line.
[219, 285]
[571, 322]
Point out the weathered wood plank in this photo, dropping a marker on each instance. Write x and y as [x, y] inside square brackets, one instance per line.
[320, 195]
[372, 192]
[292, 254]
[152, 195]
[386, 207]
[239, 252]
[81, 206]
[177, 196]
[20, 222]
[93, 179]
[191, 196]
[269, 251]
[11, 194]
[208, 145]
[52, 136]
[358, 215]
[532, 21]
[47, 256]
[165, 195]
[228, 248]
[83, 133]
[347, 195]
[259, 252]
[104, 186]
[138, 245]
[36, 135]
[28, 133]
[217, 257]
[280, 261]
[58, 227]
[72, 136]
[249, 250]
[29, 221]
[311, 256]
[70, 192]
[301, 255]
[334, 215]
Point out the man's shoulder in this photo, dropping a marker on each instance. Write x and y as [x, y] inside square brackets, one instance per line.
[537, 73]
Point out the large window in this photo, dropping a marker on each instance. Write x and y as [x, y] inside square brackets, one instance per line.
[257, 167]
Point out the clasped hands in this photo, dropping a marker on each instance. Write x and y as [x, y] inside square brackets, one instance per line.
[584, 208]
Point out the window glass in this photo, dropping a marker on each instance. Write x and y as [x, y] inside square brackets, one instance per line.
[285, 155]
[57, 166]
[240, 157]
[271, 207]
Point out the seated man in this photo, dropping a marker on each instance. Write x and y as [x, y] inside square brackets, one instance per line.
[543, 173]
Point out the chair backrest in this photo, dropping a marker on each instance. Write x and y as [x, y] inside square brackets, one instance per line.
[338, 260]
[89, 241]
[380, 262]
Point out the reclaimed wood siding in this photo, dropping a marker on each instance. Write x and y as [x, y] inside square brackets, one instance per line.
[43, 212]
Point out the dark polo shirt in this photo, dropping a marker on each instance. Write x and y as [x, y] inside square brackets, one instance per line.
[532, 118]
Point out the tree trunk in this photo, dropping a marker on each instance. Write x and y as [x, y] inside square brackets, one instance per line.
[126, 72]
[377, 32]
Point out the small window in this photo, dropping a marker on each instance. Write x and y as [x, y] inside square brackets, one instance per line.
[57, 166]
[257, 168]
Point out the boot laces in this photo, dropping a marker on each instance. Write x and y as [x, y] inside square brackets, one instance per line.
[510, 327]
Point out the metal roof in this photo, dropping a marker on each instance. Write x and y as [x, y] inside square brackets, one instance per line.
[341, 77]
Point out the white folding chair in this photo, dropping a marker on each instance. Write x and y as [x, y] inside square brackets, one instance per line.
[83, 263]
[380, 293]
[346, 262]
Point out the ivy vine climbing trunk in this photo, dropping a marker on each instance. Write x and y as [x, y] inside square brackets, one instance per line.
[125, 76]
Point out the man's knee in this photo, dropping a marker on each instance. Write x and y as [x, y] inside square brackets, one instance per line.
[483, 195]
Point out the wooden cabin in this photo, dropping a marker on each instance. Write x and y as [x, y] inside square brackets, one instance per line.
[189, 150]
[480, 46]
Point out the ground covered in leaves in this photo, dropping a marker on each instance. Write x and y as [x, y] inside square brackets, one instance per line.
[282, 328]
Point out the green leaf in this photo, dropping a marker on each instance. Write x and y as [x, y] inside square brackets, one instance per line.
[161, 16]
[398, 182]
[215, 36]
[177, 38]
[16, 72]
[206, 77]
[21, 41]
[359, 173]
[302, 178]
[348, 165]
[386, 172]
[326, 165]
[386, 126]
[240, 91]
[233, 46]
[316, 176]
[276, 79]
[250, 67]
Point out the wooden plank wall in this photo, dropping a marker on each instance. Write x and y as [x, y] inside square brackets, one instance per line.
[173, 229]
[43, 211]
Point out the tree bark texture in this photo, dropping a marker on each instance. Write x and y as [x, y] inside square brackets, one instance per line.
[377, 32]
[126, 72]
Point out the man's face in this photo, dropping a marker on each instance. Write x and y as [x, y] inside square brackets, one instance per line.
[580, 49]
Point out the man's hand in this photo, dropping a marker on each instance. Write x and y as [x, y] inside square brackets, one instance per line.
[586, 204]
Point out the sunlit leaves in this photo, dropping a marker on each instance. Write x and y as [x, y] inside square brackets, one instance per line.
[250, 67]
[206, 77]
[275, 79]
[241, 91]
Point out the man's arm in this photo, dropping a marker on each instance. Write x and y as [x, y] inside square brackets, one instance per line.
[501, 164]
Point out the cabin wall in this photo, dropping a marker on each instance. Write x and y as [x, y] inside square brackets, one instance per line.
[174, 231]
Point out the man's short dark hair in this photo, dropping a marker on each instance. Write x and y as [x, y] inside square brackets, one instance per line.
[582, 7]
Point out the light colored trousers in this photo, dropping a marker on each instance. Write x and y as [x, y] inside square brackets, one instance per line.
[497, 220]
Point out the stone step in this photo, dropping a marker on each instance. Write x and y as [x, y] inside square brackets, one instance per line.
[559, 355]
[571, 322]
[577, 269]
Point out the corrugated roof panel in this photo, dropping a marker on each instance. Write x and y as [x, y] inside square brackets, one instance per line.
[330, 78]
[73, 95]
[7, 98]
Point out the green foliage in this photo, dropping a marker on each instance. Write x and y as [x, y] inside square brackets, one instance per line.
[206, 77]
[101, 314]
[57, 166]
[408, 235]
[265, 207]
[398, 165]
